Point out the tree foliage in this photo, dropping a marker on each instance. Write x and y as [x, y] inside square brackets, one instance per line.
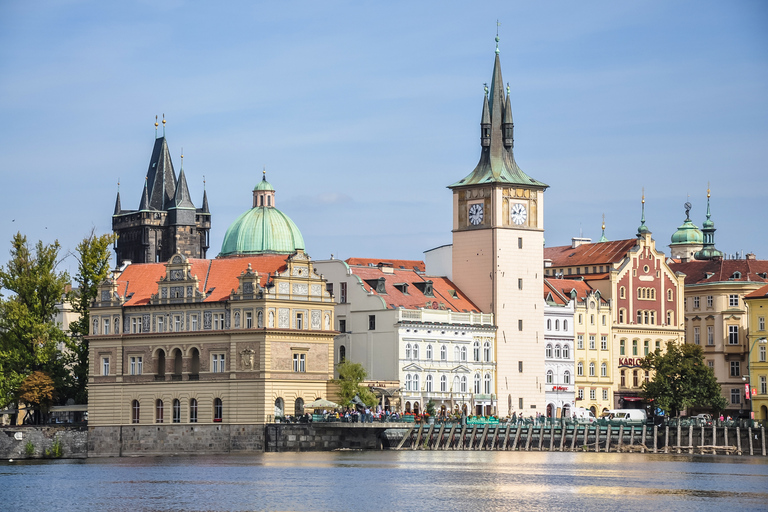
[350, 377]
[37, 389]
[681, 380]
[29, 338]
[92, 256]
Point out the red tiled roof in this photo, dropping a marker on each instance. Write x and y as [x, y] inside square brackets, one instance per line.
[414, 299]
[401, 264]
[696, 271]
[760, 293]
[589, 254]
[564, 287]
[140, 279]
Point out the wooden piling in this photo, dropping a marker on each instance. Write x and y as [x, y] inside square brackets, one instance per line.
[645, 428]
[690, 438]
[436, 444]
[574, 436]
[481, 446]
[563, 431]
[552, 435]
[517, 437]
[449, 440]
[460, 443]
[415, 444]
[738, 440]
[751, 450]
[632, 437]
[762, 435]
[702, 436]
[655, 437]
[725, 435]
[506, 437]
[541, 436]
[608, 439]
[529, 436]
[679, 441]
[495, 436]
[666, 439]
[405, 438]
[597, 438]
[714, 434]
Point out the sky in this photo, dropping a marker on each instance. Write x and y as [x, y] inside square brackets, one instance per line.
[363, 112]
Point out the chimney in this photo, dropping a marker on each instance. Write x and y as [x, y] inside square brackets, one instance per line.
[751, 256]
[577, 241]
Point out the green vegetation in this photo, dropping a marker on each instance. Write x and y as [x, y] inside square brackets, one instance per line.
[350, 377]
[681, 380]
[55, 451]
[29, 449]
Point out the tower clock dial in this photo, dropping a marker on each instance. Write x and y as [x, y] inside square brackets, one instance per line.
[518, 214]
[476, 214]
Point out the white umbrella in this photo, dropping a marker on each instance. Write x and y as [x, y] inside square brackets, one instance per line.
[321, 403]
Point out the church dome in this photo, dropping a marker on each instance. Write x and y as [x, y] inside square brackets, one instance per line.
[263, 229]
[686, 234]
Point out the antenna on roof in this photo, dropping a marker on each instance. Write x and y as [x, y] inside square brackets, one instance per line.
[163, 124]
[203, 181]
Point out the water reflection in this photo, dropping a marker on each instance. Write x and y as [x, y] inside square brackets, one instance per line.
[363, 481]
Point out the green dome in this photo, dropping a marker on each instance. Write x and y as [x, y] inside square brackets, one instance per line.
[263, 185]
[262, 230]
[687, 234]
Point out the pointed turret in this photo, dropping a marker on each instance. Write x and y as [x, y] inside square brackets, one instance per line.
[118, 208]
[144, 204]
[602, 237]
[708, 252]
[205, 209]
[182, 211]
[643, 229]
[497, 161]
[161, 177]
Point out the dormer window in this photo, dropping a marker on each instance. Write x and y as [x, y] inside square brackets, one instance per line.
[736, 275]
[402, 288]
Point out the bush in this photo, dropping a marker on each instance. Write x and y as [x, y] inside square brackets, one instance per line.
[29, 449]
[56, 450]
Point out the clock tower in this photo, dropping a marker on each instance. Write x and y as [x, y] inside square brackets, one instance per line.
[498, 253]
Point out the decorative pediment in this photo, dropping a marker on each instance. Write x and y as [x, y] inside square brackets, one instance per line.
[178, 285]
[413, 367]
[107, 294]
[460, 369]
[248, 285]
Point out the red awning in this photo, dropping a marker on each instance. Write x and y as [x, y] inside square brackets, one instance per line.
[632, 399]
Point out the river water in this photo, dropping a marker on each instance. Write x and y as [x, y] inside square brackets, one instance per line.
[372, 481]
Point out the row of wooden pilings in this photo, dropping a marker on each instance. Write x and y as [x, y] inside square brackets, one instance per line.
[585, 437]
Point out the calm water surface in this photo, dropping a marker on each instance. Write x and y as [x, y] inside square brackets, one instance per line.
[372, 481]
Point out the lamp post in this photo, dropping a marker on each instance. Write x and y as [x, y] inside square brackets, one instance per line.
[748, 377]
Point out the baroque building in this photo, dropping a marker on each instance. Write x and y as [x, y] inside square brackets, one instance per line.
[498, 236]
[166, 222]
[418, 337]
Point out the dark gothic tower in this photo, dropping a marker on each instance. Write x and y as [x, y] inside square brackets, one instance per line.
[167, 221]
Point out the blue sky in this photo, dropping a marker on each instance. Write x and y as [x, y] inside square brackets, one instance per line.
[363, 112]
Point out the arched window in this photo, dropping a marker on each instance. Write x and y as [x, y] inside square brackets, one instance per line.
[177, 364]
[603, 370]
[260, 319]
[477, 383]
[669, 294]
[653, 293]
[456, 353]
[195, 367]
[550, 376]
[416, 386]
[565, 325]
[160, 365]
[621, 316]
[622, 292]
[476, 351]
[456, 386]
[548, 351]
[639, 293]
[407, 350]
[580, 369]
[443, 383]
[463, 353]
[193, 411]
[279, 408]
[135, 410]
[639, 316]
[487, 384]
[670, 317]
[566, 352]
[408, 382]
[415, 351]
[429, 352]
[487, 351]
[342, 353]
[176, 411]
[557, 351]
[443, 353]
[158, 411]
[591, 369]
[549, 324]
[218, 410]
[463, 383]
[298, 407]
[429, 384]
[566, 377]
[634, 347]
[557, 325]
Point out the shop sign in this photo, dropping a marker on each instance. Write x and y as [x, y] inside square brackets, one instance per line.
[633, 362]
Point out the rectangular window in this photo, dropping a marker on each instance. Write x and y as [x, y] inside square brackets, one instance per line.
[520, 403]
[735, 369]
[622, 347]
[342, 326]
[136, 325]
[519, 243]
[105, 366]
[603, 342]
[106, 326]
[342, 292]
[591, 393]
[592, 319]
[763, 385]
[176, 323]
[329, 288]
[592, 343]
[711, 363]
[710, 301]
[760, 325]
[591, 369]
[696, 302]
[519, 325]
[710, 335]
[623, 378]
[646, 347]
[519, 284]
[581, 394]
[520, 366]
[299, 321]
[696, 336]
[371, 322]
[299, 362]
[248, 320]
[218, 321]
[605, 394]
[193, 323]
[735, 395]
[217, 365]
[603, 319]
[762, 354]
[160, 324]
[733, 334]
[136, 365]
[634, 347]
[733, 301]
[581, 320]
[580, 341]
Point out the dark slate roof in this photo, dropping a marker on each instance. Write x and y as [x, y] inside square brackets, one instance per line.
[118, 208]
[161, 178]
[205, 209]
[181, 197]
[497, 162]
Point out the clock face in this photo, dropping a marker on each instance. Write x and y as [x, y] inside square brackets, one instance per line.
[518, 214]
[476, 214]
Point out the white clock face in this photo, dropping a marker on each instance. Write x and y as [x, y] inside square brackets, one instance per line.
[519, 214]
[476, 214]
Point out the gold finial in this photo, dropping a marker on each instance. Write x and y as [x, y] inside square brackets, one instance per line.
[708, 193]
[163, 118]
[643, 195]
[155, 122]
[603, 222]
[182, 153]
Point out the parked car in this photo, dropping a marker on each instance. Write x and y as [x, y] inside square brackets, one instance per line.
[703, 420]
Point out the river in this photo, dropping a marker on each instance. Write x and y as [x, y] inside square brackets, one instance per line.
[389, 480]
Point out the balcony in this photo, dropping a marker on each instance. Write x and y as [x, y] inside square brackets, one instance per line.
[444, 316]
[734, 349]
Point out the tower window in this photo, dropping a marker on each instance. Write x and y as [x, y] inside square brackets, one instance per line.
[520, 242]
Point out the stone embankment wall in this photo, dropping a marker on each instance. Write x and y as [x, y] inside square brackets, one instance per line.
[14, 442]
[304, 438]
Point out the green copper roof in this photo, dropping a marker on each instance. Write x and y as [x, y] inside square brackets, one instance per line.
[686, 234]
[262, 230]
[263, 185]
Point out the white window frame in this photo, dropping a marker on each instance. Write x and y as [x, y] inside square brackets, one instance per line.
[105, 366]
[136, 365]
[218, 363]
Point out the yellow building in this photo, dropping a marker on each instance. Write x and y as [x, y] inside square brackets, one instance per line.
[757, 340]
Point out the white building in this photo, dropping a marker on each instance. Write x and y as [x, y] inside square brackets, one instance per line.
[559, 367]
[418, 337]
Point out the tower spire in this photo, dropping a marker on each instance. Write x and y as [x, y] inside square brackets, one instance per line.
[602, 238]
[497, 36]
[643, 229]
[708, 252]
[118, 208]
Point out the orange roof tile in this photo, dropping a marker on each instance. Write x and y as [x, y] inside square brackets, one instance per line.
[564, 287]
[712, 271]
[598, 253]
[760, 293]
[219, 275]
[401, 264]
[414, 298]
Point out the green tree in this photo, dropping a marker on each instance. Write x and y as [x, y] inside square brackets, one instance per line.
[29, 338]
[92, 256]
[350, 377]
[37, 389]
[681, 380]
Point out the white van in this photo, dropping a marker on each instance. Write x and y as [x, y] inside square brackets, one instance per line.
[582, 415]
[625, 415]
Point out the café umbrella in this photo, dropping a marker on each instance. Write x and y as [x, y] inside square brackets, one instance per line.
[321, 403]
